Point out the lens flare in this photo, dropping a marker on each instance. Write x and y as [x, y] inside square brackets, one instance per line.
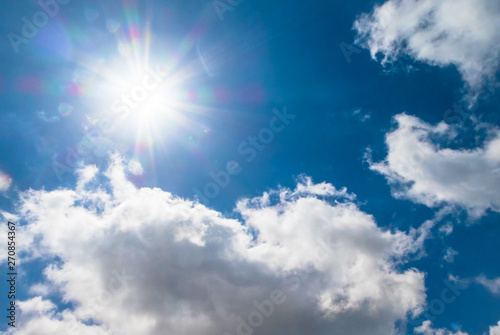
[5, 181]
[65, 109]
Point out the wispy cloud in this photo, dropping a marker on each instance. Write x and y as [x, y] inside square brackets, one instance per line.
[493, 285]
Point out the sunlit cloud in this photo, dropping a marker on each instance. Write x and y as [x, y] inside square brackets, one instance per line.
[419, 166]
[298, 254]
[463, 33]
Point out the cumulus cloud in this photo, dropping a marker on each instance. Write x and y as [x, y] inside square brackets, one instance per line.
[495, 330]
[85, 175]
[41, 318]
[419, 167]
[143, 261]
[463, 33]
[36, 305]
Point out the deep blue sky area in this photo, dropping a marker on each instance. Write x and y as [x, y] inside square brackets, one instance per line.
[232, 77]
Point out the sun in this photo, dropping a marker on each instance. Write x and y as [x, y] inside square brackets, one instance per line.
[146, 92]
[147, 99]
[149, 95]
[139, 89]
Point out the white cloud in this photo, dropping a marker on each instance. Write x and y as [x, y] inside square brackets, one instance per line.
[85, 175]
[39, 289]
[39, 317]
[142, 261]
[450, 255]
[43, 116]
[305, 186]
[493, 285]
[421, 169]
[426, 329]
[135, 168]
[9, 216]
[36, 305]
[463, 33]
[460, 282]
[361, 116]
[495, 330]
[446, 229]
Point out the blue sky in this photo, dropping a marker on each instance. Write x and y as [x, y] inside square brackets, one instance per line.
[214, 140]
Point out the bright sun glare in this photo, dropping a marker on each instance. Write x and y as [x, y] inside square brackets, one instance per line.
[145, 96]
[143, 92]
